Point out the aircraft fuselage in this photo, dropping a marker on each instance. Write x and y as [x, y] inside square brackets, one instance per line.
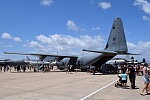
[84, 61]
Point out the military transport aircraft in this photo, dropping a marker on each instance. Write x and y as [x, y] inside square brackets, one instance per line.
[124, 60]
[37, 62]
[12, 62]
[116, 45]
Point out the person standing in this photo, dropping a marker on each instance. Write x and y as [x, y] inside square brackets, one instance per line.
[132, 75]
[145, 79]
[70, 68]
[0, 68]
[67, 69]
[87, 69]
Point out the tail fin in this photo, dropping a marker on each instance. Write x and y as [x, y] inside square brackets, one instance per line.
[117, 40]
[28, 58]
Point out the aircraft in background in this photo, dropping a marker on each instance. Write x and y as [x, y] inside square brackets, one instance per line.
[12, 62]
[3, 62]
[119, 60]
[37, 62]
[116, 44]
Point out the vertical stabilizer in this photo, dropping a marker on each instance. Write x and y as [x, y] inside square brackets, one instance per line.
[117, 40]
[28, 59]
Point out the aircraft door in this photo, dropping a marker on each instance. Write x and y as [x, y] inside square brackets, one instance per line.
[72, 61]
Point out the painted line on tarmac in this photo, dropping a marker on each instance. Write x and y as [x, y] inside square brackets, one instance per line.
[97, 90]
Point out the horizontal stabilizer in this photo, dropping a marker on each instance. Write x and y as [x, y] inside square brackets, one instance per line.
[128, 54]
[104, 51]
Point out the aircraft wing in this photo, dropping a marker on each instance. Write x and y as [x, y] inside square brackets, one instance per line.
[6, 60]
[43, 56]
[111, 52]
[105, 52]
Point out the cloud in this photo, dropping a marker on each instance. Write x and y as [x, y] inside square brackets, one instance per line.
[131, 45]
[66, 43]
[17, 39]
[46, 2]
[143, 5]
[126, 31]
[144, 45]
[35, 45]
[146, 18]
[142, 48]
[96, 28]
[44, 39]
[72, 26]
[104, 5]
[6, 36]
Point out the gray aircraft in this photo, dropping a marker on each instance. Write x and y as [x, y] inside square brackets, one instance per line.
[4, 62]
[12, 62]
[37, 62]
[119, 60]
[116, 44]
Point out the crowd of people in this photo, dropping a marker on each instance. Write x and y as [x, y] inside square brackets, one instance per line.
[128, 71]
[23, 68]
[131, 71]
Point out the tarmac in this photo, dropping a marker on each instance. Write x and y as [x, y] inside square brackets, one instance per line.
[57, 85]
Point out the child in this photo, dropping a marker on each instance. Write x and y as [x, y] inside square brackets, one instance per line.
[124, 79]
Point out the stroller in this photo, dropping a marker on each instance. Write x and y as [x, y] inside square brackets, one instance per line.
[118, 83]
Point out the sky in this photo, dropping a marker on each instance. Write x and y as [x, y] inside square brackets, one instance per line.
[68, 26]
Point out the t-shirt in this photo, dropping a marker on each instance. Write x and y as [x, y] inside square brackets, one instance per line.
[132, 72]
[123, 76]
